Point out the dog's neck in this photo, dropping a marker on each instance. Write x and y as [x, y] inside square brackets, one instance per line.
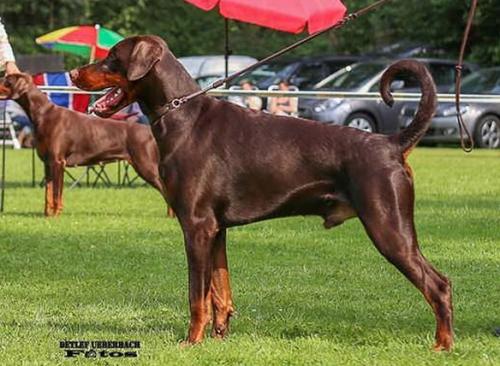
[168, 80]
[34, 103]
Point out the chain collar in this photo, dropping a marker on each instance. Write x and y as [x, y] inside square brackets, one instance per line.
[170, 106]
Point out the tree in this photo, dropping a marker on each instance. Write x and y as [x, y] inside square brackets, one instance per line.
[190, 31]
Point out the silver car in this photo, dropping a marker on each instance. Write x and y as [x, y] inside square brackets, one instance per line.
[363, 77]
[482, 119]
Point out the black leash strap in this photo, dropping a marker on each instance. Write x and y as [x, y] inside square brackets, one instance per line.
[467, 147]
[177, 102]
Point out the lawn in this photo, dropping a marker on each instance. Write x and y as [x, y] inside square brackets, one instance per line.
[113, 267]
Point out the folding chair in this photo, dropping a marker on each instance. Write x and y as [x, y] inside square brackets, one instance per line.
[100, 174]
[126, 179]
[236, 99]
[99, 170]
[7, 130]
[75, 181]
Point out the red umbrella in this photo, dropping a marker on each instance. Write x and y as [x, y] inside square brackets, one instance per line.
[291, 16]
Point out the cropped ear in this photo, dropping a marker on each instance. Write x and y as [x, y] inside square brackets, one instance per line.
[144, 56]
[19, 84]
[4, 91]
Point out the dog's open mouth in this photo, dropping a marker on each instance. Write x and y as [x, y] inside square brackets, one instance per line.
[4, 92]
[111, 102]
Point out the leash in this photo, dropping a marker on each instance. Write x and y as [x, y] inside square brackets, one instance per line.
[467, 147]
[177, 102]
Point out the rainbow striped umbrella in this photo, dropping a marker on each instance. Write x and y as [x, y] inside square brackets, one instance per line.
[93, 42]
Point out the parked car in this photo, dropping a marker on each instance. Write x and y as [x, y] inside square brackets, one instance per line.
[207, 69]
[482, 119]
[304, 73]
[362, 77]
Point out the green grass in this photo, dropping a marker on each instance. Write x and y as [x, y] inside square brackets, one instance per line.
[113, 267]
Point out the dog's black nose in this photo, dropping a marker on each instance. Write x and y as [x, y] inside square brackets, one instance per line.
[73, 74]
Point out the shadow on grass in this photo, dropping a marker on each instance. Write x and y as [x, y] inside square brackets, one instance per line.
[90, 214]
[357, 326]
[177, 329]
[355, 320]
[68, 184]
[25, 214]
[350, 321]
[355, 329]
[22, 184]
[470, 202]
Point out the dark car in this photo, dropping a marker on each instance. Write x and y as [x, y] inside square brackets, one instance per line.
[482, 119]
[303, 73]
[363, 77]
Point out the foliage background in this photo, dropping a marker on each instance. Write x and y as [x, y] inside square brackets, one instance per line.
[190, 31]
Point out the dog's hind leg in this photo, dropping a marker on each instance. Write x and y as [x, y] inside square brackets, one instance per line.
[149, 172]
[385, 207]
[222, 301]
[145, 164]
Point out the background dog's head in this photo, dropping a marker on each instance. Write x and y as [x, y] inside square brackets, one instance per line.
[127, 63]
[15, 85]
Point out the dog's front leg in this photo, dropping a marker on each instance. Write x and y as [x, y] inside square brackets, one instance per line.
[58, 179]
[222, 301]
[199, 239]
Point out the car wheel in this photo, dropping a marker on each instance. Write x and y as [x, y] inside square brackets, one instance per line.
[361, 121]
[487, 132]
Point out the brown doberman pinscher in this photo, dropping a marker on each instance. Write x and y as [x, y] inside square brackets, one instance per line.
[66, 138]
[224, 166]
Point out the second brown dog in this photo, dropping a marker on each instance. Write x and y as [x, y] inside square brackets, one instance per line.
[66, 138]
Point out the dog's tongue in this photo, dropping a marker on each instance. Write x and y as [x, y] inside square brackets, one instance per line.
[108, 100]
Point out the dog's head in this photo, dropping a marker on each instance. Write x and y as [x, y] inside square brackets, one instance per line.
[127, 63]
[13, 86]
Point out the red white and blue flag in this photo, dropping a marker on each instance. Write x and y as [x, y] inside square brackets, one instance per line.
[76, 102]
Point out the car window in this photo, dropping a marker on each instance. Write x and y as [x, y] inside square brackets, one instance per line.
[282, 74]
[205, 81]
[442, 74]
[266, 71]
[309, 75]
[336, 65]
[352, 77]
[410, 82]
[482, 82]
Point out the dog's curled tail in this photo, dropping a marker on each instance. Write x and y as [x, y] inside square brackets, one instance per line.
[411, 135]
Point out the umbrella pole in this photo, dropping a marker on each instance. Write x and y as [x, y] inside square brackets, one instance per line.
[177, 102]
[227, 51]
[2, 194]
[94, 46]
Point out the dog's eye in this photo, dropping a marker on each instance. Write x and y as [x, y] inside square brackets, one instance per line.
[109, 65]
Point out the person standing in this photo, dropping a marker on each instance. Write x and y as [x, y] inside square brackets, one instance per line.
[7, 59]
